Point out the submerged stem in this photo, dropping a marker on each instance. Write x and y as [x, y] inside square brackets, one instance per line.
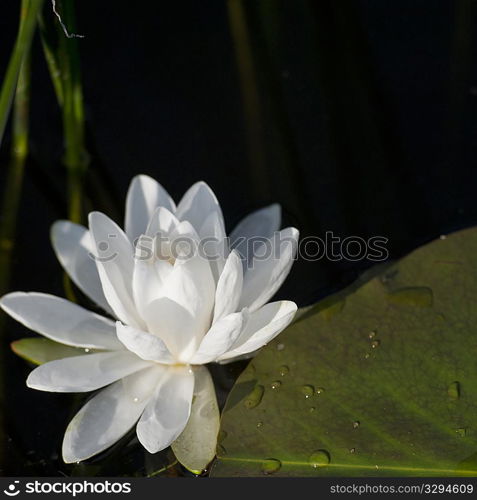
[250, 96]
[49, 43]
[164, 469]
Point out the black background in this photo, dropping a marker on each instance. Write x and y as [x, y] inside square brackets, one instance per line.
[365, 125]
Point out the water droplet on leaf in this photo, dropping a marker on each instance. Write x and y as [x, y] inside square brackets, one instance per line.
[259, 424]
[270, 466]
[356, 424]
[319, 458]
[375, 344]
[372, 334]
[320, 390]
[254, 398]
[453, 391]
[284, 370]
[276, 384]
[307, 390]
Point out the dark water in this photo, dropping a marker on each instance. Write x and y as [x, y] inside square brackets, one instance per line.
[366, 126]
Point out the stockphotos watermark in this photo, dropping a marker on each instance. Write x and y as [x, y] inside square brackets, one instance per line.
[66, 487]
[253, 250]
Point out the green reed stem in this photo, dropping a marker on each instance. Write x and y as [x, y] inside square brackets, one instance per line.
[28, 17]
[76, 158]
[13, 185]
[14, 181]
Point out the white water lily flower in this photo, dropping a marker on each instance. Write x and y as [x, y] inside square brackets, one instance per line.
[171, 316]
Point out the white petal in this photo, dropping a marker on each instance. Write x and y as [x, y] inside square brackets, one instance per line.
[144, 196]
[61, 320]
[197, 204]
[74, 249]
[212, 227]
[115, 263]
[220, 338]
[229, 287]
[162, 221]
[196, 445]
[145, 345]
[188, 282]
[262, 223]
[149, 274]
[185, 230]
[214, 245]
[175, 326]
[191, 286]
[84, 373]
[263, 326]
[267, 274]
[167, 413]
[109, 415]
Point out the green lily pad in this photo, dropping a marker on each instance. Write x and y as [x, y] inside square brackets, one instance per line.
[378, 381]
[41, 350]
